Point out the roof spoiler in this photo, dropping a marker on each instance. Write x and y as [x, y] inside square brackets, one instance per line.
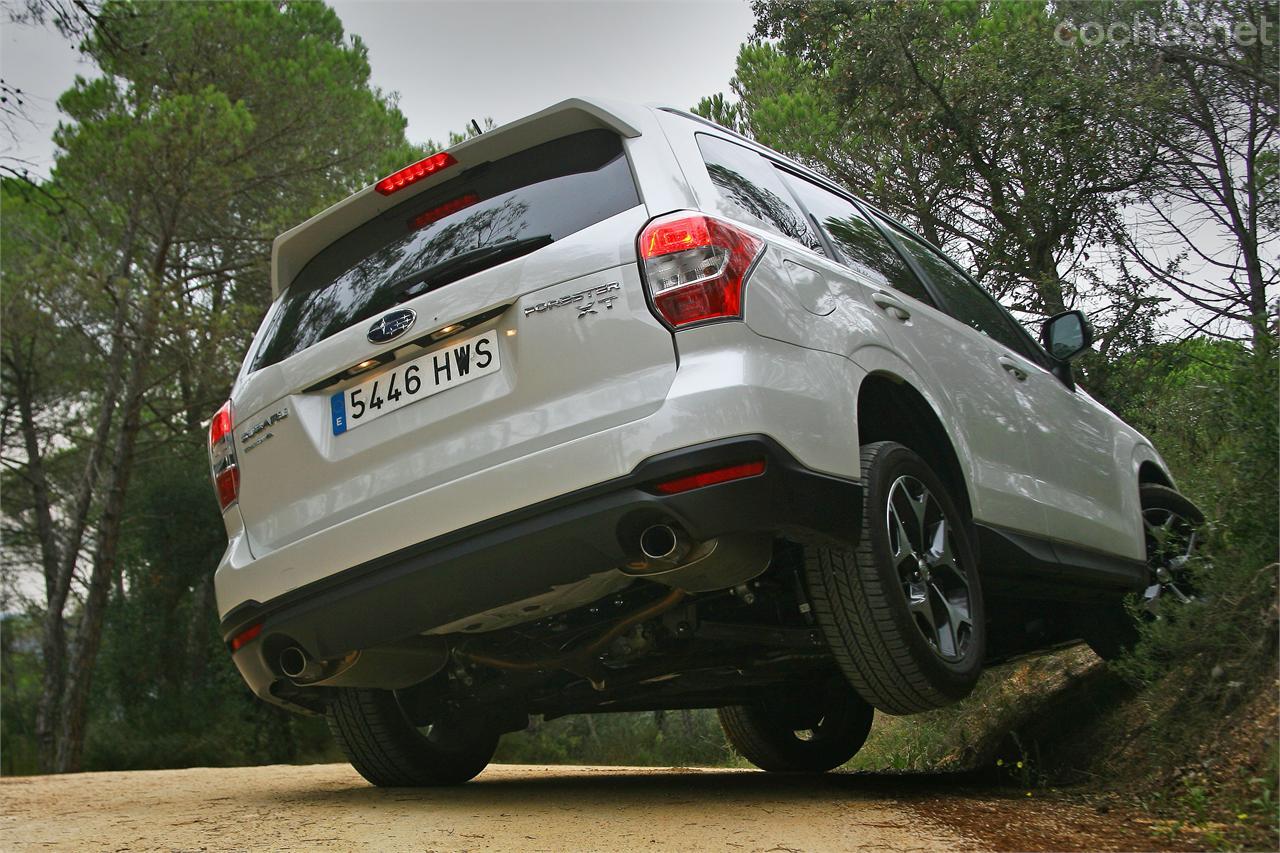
[293, 249]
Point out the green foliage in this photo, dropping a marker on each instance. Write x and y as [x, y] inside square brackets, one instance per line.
[1217, 415]
[998, 727]
[1211, 407]
[665, 738]
[133, 280]
[210, 128]
[19, 687]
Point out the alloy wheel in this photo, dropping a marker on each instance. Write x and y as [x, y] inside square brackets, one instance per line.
[933, 580]
[1172, 540]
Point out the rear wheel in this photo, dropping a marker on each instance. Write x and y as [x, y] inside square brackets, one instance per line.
[389, 750]
[800, 734]
[903, 612]
[1171, 527]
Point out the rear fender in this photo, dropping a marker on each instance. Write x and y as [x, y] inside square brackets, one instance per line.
[882, 362]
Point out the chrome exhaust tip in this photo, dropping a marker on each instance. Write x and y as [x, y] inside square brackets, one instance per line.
[660, 543]
[298, 665]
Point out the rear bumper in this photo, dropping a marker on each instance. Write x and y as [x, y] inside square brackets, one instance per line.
[526, 552]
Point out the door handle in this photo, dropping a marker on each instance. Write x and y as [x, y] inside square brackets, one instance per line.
[1012, 367]
[891, 306]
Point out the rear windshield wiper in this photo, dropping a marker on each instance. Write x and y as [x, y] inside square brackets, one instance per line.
[459, 266]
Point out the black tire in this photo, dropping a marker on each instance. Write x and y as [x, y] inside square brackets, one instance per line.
[1111, 630]
[386, 748]
[800, 734]
[860, 597]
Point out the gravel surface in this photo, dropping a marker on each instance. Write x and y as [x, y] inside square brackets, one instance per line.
[508, 807]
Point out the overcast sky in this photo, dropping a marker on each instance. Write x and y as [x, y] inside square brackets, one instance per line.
[454, 61]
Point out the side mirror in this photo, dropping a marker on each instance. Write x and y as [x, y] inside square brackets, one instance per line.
[1066, 335]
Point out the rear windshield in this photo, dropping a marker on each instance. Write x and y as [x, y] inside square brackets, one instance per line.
[489, 214]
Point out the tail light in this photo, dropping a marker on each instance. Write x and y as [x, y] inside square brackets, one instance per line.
[694, 267]
[222, 457]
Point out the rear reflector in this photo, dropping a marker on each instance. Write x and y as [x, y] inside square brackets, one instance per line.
[694, 267]
[414, 173]
[710, 478]
[227, 484]
[222, 458]
[246, 636]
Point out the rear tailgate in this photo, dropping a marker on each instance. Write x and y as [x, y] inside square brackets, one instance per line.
[547, 339]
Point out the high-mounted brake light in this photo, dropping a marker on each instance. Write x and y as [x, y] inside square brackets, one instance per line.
[694, 267]
[414, 173]
[710, 478]
[435, 214]
[222, 458]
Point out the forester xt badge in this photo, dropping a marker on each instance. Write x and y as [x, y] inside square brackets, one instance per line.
[391, 326]
[591, 301]
[260, 426]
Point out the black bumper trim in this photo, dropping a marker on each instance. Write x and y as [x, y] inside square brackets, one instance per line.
[557, 541]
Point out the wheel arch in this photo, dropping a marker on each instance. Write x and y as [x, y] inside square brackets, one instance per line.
[1146, 464]
[1151, 472]
[890, 407]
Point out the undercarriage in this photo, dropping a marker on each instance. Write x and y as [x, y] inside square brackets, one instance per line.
[650, 647]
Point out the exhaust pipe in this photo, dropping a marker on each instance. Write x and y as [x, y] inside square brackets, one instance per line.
[391, 667]
[298, 665]
[720, 563]
[661, 544]
[662, 548]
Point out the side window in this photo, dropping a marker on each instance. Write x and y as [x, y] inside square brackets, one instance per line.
[750, 186]
[862, 247]
[964, 300]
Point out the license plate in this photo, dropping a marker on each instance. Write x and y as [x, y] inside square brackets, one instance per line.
[415, 380]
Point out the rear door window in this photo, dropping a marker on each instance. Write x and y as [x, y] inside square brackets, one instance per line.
[862, 247]
[751, 187]
[487, 215]
[965, 301]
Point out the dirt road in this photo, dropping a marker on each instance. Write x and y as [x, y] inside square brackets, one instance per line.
[329, 807]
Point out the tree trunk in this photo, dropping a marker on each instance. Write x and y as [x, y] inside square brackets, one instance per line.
[60, 558]
[660, 719]
[1046, 280]
[52, 637]
[79, 678]
[686, 718]
[202, 611]
[591, 728]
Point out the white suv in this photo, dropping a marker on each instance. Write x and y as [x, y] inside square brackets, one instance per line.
[610, 409]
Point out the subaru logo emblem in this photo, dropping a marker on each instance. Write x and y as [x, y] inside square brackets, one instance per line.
[391, 326]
